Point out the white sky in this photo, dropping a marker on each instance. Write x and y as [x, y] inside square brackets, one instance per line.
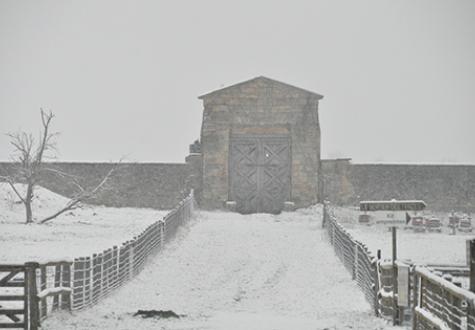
[123, 77]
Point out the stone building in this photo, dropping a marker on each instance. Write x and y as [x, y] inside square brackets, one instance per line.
[260, 147]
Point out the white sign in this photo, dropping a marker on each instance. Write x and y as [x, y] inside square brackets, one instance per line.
[402, 285]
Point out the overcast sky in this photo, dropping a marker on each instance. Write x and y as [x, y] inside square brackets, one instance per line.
[123, 77]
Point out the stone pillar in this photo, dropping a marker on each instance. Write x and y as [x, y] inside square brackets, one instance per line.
[194, 163]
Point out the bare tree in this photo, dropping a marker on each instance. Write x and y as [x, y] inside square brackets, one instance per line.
[29, 167]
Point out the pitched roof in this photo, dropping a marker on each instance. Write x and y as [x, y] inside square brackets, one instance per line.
[256, 79]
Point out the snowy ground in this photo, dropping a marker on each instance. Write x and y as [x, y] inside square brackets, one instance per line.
[223, 271]
[229, 271]
[424, 248]
[77, 233]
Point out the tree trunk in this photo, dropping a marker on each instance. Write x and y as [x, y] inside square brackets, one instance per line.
[28, 199]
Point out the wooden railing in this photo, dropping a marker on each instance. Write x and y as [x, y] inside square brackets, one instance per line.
[18, 302]
[441, 304]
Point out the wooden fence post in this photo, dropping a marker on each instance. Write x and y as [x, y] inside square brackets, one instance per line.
[114, 265]
[96, 277]
[88, 282]
[162, 233]
[32, 295]
[394, 257]
[472, 265]
[376, 284]
[57, 283]
[415, 296]
[43, 302]
[66, 283]
[131, 259]
[76, 293]
[333, 233]
[325, 214]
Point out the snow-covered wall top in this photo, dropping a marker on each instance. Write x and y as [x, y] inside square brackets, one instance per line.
[442, 187]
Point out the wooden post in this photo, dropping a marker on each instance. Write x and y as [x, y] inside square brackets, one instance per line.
[87, 282]
[66, 283]
[57, 283]
[162, 233]
[96, 277]
[131, 259]
[415, 303]
[333, 233]
[394, 255]
[472, 265]
[43, 302]
[325, 215]
[377, 286]
[77, 287]
[32, 295]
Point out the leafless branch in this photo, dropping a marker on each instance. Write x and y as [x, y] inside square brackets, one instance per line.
[46, 140]
[12, 185]
[83, 195]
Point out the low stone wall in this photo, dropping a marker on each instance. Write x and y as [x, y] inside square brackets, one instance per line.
[442, 187]
[151, 185]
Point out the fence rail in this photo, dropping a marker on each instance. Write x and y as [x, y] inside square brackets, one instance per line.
[44, 288]
[18, 308]
[441, 304]
[437, 299]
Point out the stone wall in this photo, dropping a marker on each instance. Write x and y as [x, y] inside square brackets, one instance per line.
[160, 186]
[151, 185]
[442, 187]
[260, 106]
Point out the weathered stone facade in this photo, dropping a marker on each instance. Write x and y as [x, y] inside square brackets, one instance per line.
[260, 107]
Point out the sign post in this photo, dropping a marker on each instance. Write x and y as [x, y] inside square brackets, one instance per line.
[394, 257]
[403, 281]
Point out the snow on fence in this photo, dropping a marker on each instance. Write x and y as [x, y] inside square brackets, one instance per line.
[86, 280]
[441, 304]
[356, 258]
[438, 298]
[97, 276]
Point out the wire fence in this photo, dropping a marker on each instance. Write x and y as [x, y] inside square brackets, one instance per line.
[356, 258]
[96, 277]
[437, 296]
[87, 280]
[437, 299]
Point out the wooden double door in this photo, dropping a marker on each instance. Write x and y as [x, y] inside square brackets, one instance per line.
[259, 173]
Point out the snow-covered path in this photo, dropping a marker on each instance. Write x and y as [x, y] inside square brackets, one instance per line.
[229, 271]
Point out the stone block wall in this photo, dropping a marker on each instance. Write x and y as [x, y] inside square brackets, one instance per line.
[160, 186]
[442, 187]
[150, 185]
[260, 106]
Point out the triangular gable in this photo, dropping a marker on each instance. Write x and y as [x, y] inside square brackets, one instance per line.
[272, 81]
